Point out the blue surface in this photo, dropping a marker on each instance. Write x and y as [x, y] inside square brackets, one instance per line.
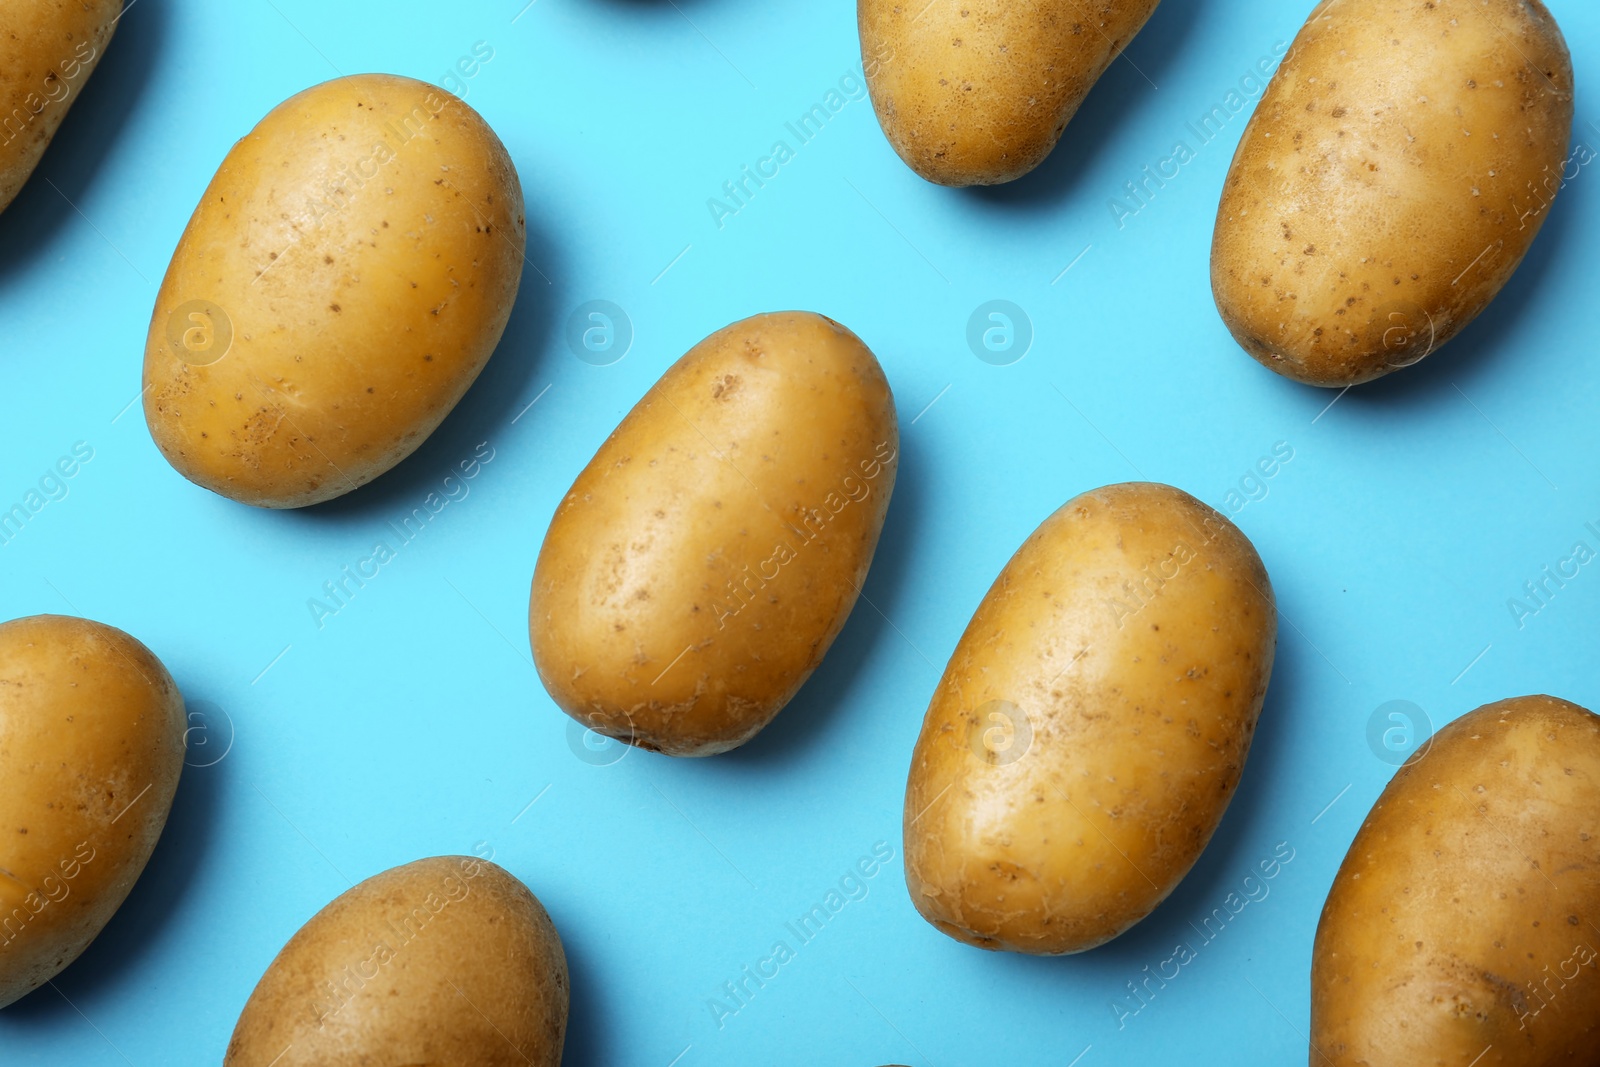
[412, 723]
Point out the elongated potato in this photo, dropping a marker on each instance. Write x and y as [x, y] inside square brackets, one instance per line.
[1464, 924]
[48, 49]
[442, 961]
[345, 278]
[1394, 175]
[1092, 724]
[699, 568]
[91, 749]
[978, 92]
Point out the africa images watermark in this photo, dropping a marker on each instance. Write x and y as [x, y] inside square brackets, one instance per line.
[1253, 889]
[851, 887]
[336, 993]
[742, 591]
[1140, 193]
[1541, 590]
[51, 487]
[339, 592]
[739, 191]
[57, 89]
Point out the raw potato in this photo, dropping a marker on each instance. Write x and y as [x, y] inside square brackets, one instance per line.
[1463, 925]
[1394, 174]
[1092, 724]
[91, 747]
[699, 568]
[343, 281]
[977, 92]
[448, 960]
[48, 49]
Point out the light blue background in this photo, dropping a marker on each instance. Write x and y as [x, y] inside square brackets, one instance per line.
[413, 723]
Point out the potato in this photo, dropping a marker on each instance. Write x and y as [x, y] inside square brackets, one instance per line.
[91, 747]
[1462, 926]
[48, 49]
[699, 568]
[448, 960]
[345, 278]
[1393, 176]
[1092, 724]
[978, 92]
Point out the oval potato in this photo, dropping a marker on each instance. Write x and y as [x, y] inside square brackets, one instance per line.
[91, 749]
[699, 568]
[48, 49]
[346, 276]
[1092, 724]
[979, 92]
[444, 960]
[1464, 923]
[1396, 171]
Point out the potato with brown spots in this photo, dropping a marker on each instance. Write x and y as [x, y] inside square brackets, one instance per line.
[344, 280]
[1091, 726]
[699, 568]
[48, 49]
[978, 92]
[448, 960]
[1464, 924]
[91, 749]
[1394, 175]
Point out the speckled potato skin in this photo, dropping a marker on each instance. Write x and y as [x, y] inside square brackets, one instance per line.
[978, 92]
[91, 748]
[1133, 634]
[448, 960]
[1394, 175]
[704, 561]
[1464, 923]
[364, 242]
[48, 49]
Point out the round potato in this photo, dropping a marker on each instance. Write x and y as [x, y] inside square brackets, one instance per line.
[48, 49]
[978, 92]
[1395, 173]
[1464, 922]
[1092, 724]
[91, 748]
[348, 273]
[442, 961]
[699, 568]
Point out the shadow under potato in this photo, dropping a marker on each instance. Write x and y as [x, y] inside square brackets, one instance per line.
[88, 136]
[106, 968]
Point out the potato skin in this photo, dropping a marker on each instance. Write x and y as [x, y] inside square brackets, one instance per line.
[703, 562]
[979, 92]
[362, 247]
[444, 960]
[91, 749]
[1392, 178]
[1464, 915]
[48, 49]
[1133, 635]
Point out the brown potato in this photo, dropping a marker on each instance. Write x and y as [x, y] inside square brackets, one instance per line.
[448, 960]
[48, 49]
[702, 564]
[345, 278]
[1463, 925]
[91, 748]
[978, 92]
[1091, 726]
[1394, 175]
